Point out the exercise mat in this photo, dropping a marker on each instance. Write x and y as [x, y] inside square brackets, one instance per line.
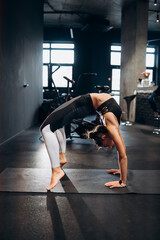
[88, 181]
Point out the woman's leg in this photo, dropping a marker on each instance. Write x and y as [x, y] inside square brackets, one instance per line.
[61, 137]
[52, 146]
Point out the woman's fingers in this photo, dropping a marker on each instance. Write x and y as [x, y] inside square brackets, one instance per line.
[114, 184]
[114, 171]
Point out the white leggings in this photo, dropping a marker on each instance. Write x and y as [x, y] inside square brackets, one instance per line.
[55, 143]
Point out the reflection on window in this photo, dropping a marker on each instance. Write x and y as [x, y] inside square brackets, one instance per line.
[62, 45]
[150, 58]
[45, 76]
[115, 48]
[150, 50]
[58, 76]
[115, 58]
[46, 56]
[115, 79]
[62, 56]
[46, 45]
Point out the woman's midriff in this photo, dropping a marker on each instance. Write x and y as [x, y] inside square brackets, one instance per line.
[99, 98]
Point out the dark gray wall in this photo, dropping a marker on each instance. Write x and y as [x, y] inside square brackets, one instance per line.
[21, 54]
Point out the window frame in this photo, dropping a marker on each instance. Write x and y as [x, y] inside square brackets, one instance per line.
[154, 69]
[112, 66]
[50, 86]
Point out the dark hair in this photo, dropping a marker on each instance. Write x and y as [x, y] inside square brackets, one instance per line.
[97, 133]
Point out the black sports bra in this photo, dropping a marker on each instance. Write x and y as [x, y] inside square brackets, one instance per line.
[110, 106]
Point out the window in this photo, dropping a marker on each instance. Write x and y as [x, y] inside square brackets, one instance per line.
[116, 55]
[45, 76]
[115, 62]
[58, 61]
[58, 76]
[115, 79]
[150, 62]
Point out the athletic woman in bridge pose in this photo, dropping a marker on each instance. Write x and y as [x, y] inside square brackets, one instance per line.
[106, 135]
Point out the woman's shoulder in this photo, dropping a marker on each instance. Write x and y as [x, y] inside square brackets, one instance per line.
[110, 119]
[100, 96]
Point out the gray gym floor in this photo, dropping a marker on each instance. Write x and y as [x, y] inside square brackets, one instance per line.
[80, 207]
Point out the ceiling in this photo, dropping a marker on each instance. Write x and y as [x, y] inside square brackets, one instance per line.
[105, 14]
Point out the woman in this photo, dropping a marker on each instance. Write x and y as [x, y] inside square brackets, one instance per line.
[106, 135]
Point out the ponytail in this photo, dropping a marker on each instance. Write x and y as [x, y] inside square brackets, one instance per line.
[97, 133]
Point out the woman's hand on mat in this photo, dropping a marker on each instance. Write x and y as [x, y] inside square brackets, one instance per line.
[114, 171]
[114, 184]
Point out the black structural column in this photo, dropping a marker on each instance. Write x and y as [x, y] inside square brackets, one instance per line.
[134, 42]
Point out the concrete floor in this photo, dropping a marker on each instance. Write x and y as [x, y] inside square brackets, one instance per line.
[81, 216]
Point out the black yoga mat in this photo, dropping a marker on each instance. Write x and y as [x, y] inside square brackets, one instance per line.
[89, 181]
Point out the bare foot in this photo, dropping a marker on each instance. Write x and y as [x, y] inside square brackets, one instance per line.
[62, 162]
[57, 174]
[63, 159]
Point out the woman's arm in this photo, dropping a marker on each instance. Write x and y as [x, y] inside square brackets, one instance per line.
[116, 136]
